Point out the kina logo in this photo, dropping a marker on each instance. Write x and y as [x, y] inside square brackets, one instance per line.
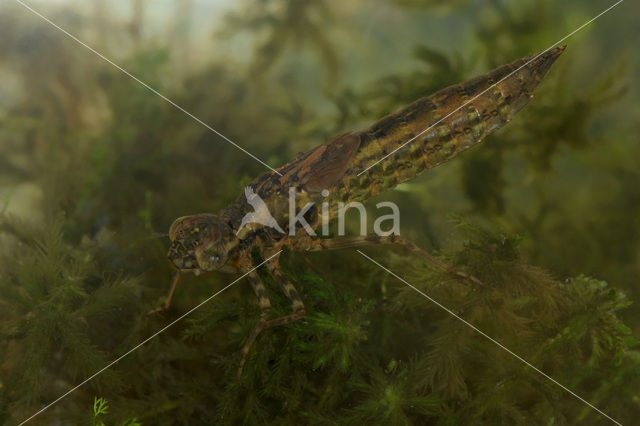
[260, 213]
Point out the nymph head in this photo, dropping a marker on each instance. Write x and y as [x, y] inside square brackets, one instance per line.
[198, 243]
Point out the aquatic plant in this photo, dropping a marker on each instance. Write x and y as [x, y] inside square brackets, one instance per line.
[94, 168]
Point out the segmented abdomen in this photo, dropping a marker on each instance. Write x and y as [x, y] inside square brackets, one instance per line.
[491, 104]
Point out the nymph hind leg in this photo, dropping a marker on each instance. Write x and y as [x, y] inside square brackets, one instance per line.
[355, 241]
[290, 291]
[265, 310]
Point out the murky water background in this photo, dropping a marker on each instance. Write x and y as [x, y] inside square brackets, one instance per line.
[95, 167]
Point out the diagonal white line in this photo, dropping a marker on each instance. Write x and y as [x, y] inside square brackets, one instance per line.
[493, 340]
[35, 12]
[146, 340]
[492, 86]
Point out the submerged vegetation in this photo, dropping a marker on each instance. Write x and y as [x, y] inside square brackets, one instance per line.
[94, 168]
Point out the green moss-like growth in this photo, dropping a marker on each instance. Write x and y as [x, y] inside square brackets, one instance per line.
[94, 168]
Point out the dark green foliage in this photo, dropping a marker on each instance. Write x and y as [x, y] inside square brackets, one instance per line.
[94, 168]
[357, 358]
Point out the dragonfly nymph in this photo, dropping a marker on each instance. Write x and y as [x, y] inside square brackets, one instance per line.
[332, 172]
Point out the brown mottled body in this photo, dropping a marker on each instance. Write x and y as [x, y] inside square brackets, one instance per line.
[443, 125]
[492, 101]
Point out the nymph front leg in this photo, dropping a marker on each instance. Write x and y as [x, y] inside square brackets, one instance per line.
[167, 302]
[265, 310]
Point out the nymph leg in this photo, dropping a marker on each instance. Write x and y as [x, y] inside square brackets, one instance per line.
[290, 291]
[265, 310]
[355, 241]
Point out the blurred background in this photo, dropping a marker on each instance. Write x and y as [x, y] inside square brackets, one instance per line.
[94, 168]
